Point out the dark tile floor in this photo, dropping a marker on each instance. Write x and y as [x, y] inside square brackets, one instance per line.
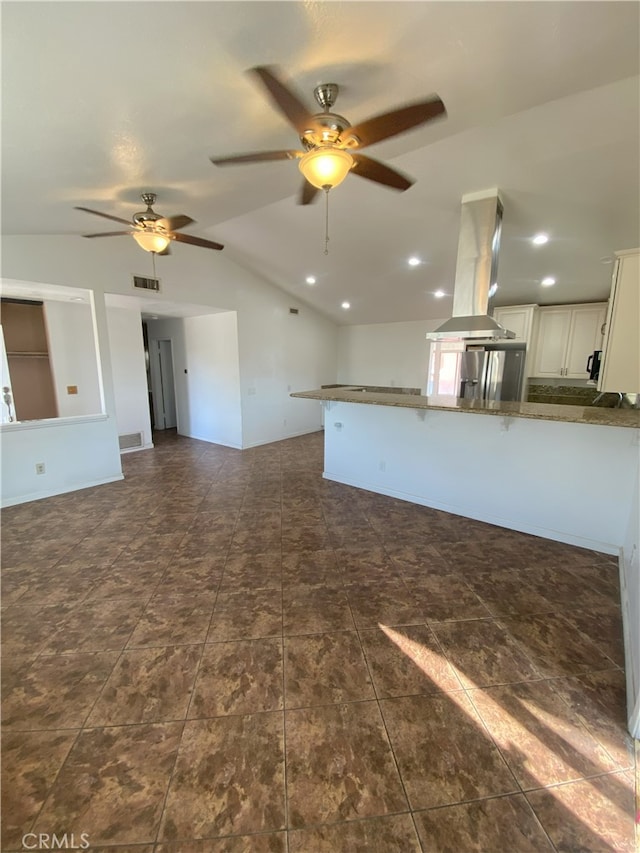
[225, 652]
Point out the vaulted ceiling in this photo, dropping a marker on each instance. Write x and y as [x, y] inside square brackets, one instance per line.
[104, 100]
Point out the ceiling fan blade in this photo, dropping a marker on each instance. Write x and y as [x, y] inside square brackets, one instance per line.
[308, 193]
[376, 171]
[397, 121]
[196, 241]
[173, 223]
[284, 99]
[257, 157]
[106, 215]
[109, 234]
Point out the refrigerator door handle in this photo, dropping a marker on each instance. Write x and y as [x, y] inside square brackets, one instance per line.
[493, 377]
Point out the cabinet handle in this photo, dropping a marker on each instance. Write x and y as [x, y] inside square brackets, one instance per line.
[588, 367]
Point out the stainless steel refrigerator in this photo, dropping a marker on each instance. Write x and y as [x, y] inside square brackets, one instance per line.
[492, 371]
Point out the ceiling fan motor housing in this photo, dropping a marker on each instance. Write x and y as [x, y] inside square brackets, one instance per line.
[148, 216]
[327, 130]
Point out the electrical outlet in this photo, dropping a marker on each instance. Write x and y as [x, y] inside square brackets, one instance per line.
[39, 467]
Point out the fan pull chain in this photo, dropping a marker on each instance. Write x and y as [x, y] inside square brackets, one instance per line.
[153, 261]
[326, 221]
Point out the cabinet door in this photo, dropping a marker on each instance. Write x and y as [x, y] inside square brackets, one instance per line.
[620, 370]
[517, 319]
[551, 342]
[585, 336]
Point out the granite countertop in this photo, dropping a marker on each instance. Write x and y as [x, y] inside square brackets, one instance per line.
[534, 411]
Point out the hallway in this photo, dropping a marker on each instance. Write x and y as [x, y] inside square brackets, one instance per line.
[226, 653]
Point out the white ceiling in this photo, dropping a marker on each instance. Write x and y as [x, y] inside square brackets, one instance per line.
[103, 100]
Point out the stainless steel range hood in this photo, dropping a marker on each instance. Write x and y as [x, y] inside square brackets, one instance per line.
[476, 271]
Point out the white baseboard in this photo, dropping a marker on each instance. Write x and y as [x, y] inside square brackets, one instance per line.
[472, 512]
[36, 496]
[631, 650]
[309, 431]
[137, 449]
[231, 444]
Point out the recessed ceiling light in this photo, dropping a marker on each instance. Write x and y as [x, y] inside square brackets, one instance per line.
[439, 294]
[414, 262]
[310, 279]
[346, 305]
[548, 281]
[540, 239]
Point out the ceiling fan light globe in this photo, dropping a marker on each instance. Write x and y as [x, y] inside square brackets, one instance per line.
[325, 167]
[150, 241]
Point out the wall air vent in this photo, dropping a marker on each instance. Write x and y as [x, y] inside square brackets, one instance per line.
[131, 441]
[146, 283]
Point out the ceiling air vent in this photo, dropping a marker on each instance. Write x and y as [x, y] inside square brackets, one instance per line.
[146, 283]
[294, 311]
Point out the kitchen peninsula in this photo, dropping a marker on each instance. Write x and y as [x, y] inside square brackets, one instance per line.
[568, 473]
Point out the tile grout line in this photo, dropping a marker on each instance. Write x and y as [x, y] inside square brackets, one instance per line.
[284, 680]
[162, 809]
[384, 725]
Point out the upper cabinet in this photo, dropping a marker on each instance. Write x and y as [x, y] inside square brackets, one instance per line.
[518, 319]
[620, 366]
[565, 338]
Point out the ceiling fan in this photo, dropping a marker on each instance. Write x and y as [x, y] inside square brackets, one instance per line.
[153, 232]
[331, 145]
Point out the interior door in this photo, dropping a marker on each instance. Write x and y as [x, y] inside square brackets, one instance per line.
[167, 401]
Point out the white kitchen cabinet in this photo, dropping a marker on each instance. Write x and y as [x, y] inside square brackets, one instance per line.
[518, 319]
[586, 335]
[565, 338]
[620, 366]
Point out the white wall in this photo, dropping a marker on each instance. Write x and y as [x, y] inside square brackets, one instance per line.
[72, 355]
[280, 353]
[77, 452]
[389, 354]
[129, 372]
[206, 374]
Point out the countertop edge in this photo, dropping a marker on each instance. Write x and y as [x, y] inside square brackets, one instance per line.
[590, 415]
